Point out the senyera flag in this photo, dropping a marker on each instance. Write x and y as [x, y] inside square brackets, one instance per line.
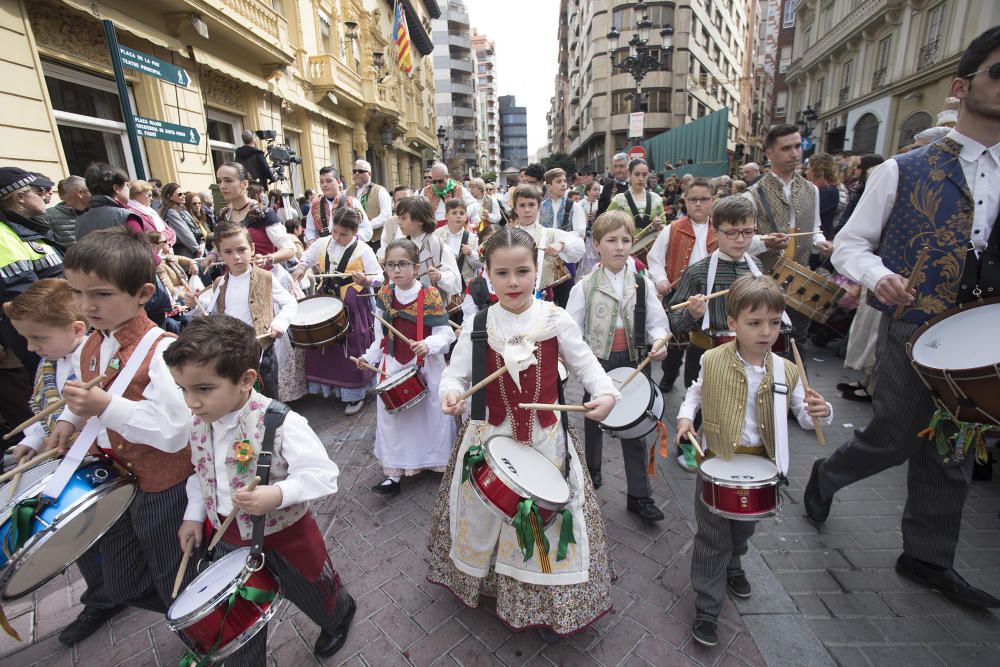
[401, 36]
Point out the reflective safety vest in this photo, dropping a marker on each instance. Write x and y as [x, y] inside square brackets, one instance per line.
[19, 256]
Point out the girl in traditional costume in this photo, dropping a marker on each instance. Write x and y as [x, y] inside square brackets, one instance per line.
[419, 437]
[561, 582]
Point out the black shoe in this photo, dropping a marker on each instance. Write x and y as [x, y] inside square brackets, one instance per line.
[87, 623]
[329, 643]
[595, 477]
[858, 395]
[383, 489]
[704, 632]
[944, 580]
[817, 509]
[645, 508]
[738, 585]
[849, 386]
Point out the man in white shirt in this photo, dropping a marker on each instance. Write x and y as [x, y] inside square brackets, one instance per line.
[879, 247]
[442, 188]
[374, 198]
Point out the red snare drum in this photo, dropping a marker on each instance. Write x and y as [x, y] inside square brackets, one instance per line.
[512, 472]
[744, 488]
[199, 614]
[403, 389]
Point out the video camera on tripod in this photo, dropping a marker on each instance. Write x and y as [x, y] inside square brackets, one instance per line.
[279, 155]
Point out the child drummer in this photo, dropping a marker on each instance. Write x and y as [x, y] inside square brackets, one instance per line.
[565, 583]
[733, 221]
[621, 317]
[214, 362]
[736, 391]
[553, 244]
[420, 437]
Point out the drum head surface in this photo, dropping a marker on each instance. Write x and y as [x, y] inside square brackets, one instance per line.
[741, 468]
[530, 469]
[208, 585]
[54, 550]
[317, 309]
[396, 378]
[967, 339]
[32, 482]
[635, 398]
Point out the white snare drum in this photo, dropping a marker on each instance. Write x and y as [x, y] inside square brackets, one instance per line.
[640, 409]
[745, 488]
[512, 472]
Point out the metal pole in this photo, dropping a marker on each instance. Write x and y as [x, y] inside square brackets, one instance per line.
[133, 138]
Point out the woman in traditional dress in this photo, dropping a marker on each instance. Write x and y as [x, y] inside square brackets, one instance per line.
[645, 207]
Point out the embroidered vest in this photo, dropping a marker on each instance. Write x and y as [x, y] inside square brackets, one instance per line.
[443, 235]
[46, 392]
[155, 469]
[803, 202]
[539, 384]
[262, 243]
[435, 201]
[681, 244]
[933, 207]
[724, 400]
[261, 301]
[203, 453]
[322, 212]
[602, 310]
[369, 200]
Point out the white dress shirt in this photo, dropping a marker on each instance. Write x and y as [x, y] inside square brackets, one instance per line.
[492, 216]
[238, 300]
[573, 247]
[451, 279]
[470, 206]
[657, 324]
[577, 215]
[656, 258]
[279, 236]
[335, 252]
[364, 229]
[161, 419]
[750, 435]
[311, 473]
[35, 434]
[757, 246]
[453, 242]
[859, 239]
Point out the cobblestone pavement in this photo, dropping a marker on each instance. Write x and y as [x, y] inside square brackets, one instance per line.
[821, 596]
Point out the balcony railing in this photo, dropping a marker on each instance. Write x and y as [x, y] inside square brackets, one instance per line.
[878, 78]
[842, 97]
[259, 15]
[327, 72]
[928, 54]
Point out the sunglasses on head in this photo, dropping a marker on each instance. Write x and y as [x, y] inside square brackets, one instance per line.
[993, 71]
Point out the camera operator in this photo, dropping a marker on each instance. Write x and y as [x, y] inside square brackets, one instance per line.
[254, 161]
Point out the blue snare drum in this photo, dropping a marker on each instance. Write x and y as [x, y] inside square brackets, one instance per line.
[95, 498]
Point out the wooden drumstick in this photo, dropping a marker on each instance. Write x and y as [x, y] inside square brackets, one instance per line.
[338, 274]
[555, 407]
[915, 275]
[188, 546]
[697, 447]
[456, 327]
[364, 364]
[645, 362]
[771, 236]
[28, 465]
[482, 383]
[394, 331]
[687, 303]
[58, 405]
[805, 386]
[197, 301]
[232, 515]
[14, 483]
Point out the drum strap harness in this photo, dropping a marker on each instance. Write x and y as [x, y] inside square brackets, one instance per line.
[635, 209]
[528, 520]
[780, 413]
[345, 259]
[461, 258]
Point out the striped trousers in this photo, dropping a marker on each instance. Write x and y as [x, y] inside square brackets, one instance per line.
[635, 452]
[135, 562]
[902, 407]
[719, 546]
[296, 589]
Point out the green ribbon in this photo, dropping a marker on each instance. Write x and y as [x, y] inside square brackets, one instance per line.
[21, 518]
[522, 527]
[473, 457]
[449, 186]
[566, 536]
[687, 449]
[249, 593]
[967, 437]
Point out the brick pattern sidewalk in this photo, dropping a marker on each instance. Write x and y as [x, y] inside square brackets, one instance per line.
[833, 586]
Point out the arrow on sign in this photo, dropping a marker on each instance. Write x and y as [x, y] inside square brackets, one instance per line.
[153, 66]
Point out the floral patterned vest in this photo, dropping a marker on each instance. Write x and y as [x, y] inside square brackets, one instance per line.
[603, 309]
[203, 453]
[803, 202]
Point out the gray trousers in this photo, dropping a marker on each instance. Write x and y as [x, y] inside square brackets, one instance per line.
[902, 407]
[719, 546]
[135, 562]
[296, 589]
[635, 452]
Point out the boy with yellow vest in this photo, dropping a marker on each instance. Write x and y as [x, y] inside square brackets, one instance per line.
[621, 317]
[145, 427]
[251, 294]
[214, 361]
[737, 392]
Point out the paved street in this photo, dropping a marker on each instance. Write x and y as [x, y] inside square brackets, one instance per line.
[821, 597]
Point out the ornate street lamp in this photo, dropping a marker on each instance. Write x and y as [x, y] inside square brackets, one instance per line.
[442, 137]
[377, 64]
[387, 134]
[807, 121]
[640, 61]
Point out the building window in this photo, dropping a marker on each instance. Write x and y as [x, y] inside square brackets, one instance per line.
[661, 15]
[223, 136]
[334, 157]
[865, 134]
[826, 17]
[780, 102]
[820, 94]
[914, 123]
[929, 51]
[88, 115]
[881, 62]
[786, 59]
[788, 14]
[325, 33]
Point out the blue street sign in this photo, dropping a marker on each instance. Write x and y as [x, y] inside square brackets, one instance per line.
[164, 131]
[147, 64]
[808, 143]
